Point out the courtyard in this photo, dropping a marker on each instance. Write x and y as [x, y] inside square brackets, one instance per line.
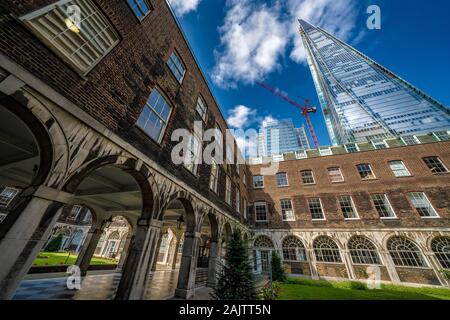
[302, 289]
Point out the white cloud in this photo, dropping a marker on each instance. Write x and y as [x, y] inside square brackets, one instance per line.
[181, 7]
[239, 116]
[267, 120]
[254, 36]
[252, 41]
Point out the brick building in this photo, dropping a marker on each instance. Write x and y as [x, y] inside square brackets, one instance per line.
[333, 215]
[91, 92]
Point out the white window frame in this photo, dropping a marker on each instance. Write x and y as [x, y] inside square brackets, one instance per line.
[436, 216]
[390, 206]
[177, 55]
[325, 151]
[238, 200]
[438, 138]
[66, 56]
[152, 109]
[150, 9]
[371, 170]
[228, 190]
[202, 102]
[214, 176]
[245, 207]
[353, 207]
[414, 137]
[340, 172]
[278, 158]
[261, 203]
[253, 178]
[321, 207]
[312, 175]
[356, 146]
[375, 143]
[287, 179]
[292, 218]
[301, 155]
[404, 168]
[195, 155]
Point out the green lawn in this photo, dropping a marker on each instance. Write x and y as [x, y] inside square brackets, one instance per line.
[63, 258]
[302, 289]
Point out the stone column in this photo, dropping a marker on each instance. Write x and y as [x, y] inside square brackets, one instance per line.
[124, 253]
[25, 238]
[390, 267]
[158, 247]
[312, 264]
[212, 264]
[175, 255]
[188, 267]
[139, 260]
[88, 250]
[348, 264]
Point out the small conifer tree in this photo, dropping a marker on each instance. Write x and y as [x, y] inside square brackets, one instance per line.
[236, 280]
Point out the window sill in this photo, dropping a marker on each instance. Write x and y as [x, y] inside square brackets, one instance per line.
[430, 218]
[259, 188]
[352, 219]
[283, 186]
[319, 219]
[388, 218]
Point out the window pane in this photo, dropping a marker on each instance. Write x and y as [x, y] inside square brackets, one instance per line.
[82, 43]
[286, 210]
[365, 171]
[176, 67]
[335, 175]
[383, 206]
[315, 208]
[422, 204]
[435, 165]
[347, 207]
[155, 115]
[399, 169]
[258, 182]
[261, 211]
[307, 177]
[282, 180]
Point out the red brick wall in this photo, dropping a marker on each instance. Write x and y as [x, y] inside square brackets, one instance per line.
[116, 89]
[436, 187]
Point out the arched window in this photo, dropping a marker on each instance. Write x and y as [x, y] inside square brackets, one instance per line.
[441, 248]
[405, 253]
[326, 250]
[293, 249]
[263, 248]
[363, 251]
[263, 242]
[114, 236]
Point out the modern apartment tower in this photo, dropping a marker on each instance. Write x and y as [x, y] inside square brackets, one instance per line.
[281, 136]
[362, 100]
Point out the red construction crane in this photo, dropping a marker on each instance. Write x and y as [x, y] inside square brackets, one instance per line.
[305, 109]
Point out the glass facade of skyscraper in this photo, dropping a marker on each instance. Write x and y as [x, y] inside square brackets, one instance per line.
[361, 100]
[281, 136]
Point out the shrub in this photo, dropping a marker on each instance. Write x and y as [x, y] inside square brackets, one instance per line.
[355, 285]
[55, 244]
[446, 274]
[277, 268]
[270, 292]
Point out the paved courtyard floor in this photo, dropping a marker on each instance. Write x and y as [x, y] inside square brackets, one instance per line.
[161, 286]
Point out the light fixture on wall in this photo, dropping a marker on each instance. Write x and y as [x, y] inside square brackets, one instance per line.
[180, 222]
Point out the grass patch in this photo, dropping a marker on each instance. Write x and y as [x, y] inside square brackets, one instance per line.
[63, 258]
[305, 289]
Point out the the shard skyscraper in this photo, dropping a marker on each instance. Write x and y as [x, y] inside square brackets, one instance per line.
[362, 100]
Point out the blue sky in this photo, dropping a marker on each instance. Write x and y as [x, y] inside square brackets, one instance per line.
[238, 42]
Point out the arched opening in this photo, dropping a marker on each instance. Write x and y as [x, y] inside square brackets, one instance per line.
[363, 251]
[405, 253]
[263, 247]
[326, 250]
[116, 196]
[26, 158]
[178, 218]
[227, 232]
[293, 249]
[441, 248]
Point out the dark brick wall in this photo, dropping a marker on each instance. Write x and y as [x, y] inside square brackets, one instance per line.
[116, 89]
[436, 187]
